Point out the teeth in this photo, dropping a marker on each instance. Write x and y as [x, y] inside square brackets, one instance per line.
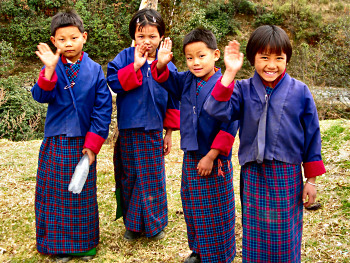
[269, 73]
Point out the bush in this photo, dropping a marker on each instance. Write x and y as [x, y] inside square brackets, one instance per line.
[6, 57]
[21, 118]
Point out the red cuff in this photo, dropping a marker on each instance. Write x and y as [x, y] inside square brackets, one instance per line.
[172, 119]
[223, 142]
[94, 142]
[222, 93]
[313, 169]
[46, 84]
[163, 76]
[128, 78]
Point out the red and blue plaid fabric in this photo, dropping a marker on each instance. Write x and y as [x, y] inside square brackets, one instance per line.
[209, 208]
[272, 212]
[65, 222]
[72, 71]
[200, 85]
[141, 176]
[268, 90]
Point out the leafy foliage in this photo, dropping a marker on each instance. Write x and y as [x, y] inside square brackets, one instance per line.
[21, 118]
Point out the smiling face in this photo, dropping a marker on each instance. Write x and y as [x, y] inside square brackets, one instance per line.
[150, 36]
[270, 66]
[201, 59]
[71, 41]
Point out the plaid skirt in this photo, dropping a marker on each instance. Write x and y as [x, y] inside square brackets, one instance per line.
[272, 212]
[65, 222]
[140, 173]
[209, 209]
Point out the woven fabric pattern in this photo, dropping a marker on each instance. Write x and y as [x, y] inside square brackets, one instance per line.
[272, 212]
[65, 222]
[141, 175]
[209, 208]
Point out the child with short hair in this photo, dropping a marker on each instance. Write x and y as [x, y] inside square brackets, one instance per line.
[279, 131]
[77, 122]
[143, 111]
[207, 187]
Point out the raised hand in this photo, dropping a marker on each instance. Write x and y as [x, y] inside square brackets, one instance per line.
[46, 55]
[232, 57]
[233, 61]
[49, 59]
[164, 53]
[141, 55]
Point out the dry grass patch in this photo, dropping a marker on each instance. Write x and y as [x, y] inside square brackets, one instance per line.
[326, 231]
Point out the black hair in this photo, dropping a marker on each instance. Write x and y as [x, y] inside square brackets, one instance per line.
[144, 17]
[268, 38]
[200, 35]
[64, 19]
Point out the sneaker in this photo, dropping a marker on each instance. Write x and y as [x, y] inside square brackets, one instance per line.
[193, 258]
[131, 236]
[63, 258]
[158, 236]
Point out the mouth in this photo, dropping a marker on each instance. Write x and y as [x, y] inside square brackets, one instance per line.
[270, 73]
[197, 70]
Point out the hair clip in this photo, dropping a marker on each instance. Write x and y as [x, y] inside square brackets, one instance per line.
[154, 20]
[138, 20]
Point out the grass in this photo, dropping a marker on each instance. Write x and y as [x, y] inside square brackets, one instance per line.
[326, 231]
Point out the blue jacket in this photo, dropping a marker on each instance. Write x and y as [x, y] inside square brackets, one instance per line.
[86, 107]
[291, 133]
[197, 128]
[141, 103]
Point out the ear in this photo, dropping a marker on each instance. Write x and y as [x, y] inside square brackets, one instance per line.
[216, 54]
[85, 36]
[53, 40]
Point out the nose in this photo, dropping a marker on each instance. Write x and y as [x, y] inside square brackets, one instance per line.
[68, 43]
[196, 61]
[271, 64]
[147, 41]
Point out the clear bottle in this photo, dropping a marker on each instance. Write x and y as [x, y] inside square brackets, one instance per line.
[80, 174]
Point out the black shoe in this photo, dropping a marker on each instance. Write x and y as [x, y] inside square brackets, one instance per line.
[158, 236]
[131, 236]
[193, 258]
[314, 207]
[63, 258]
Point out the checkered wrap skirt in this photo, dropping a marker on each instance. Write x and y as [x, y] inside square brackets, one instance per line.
[272, 212]
[140, 172]
[65, 222]
[209, 208]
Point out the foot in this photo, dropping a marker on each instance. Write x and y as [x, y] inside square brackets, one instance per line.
[314, 206]
[158, 236]
[193, 258]
[63, 258]
[131, 236]
[86, 258]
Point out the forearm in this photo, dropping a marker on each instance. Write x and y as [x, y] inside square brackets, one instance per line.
[213, 154]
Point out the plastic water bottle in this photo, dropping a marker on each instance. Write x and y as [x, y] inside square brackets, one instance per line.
[80, 174]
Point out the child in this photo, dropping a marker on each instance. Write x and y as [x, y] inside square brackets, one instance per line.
[207, 187]
[279, 130]
[77, 121]
[143, 110]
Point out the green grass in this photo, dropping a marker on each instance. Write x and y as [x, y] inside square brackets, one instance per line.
[325, 234]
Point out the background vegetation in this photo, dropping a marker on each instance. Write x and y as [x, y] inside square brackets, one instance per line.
[325, 233]
[319, 30]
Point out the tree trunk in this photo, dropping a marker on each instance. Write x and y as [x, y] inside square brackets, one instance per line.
[149, 4]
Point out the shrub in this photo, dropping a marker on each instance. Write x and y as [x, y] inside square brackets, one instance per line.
[6, 57]
[21, 118]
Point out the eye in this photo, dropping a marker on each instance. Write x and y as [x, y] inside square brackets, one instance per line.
[280, 58]
[201, 56]
[189, 58]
